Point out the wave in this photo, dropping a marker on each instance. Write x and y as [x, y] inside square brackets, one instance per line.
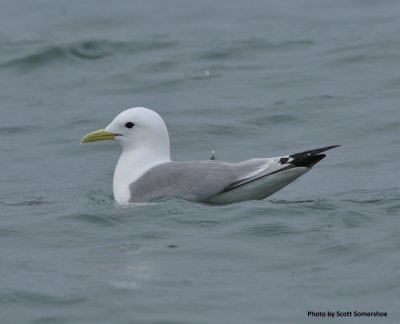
[224, 50]
[83, 50]
[16, 130]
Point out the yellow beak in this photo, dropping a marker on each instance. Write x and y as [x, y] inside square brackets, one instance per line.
[97, 135]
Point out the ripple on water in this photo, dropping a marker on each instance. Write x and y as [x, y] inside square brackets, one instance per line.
[29, 202]
[225, 50]
[26, 297]
[97, 219]
[376, 202]
[305, 206]
[18, 130]
[82, 50]
[273, 229]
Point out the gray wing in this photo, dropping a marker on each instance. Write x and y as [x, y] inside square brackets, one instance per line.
[196, 180]
[202, 180]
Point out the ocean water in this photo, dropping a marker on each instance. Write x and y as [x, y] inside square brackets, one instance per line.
[244, 78]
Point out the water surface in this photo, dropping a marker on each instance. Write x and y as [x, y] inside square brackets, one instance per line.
[243, 78]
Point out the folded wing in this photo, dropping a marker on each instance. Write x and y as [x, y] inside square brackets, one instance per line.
[222, 182]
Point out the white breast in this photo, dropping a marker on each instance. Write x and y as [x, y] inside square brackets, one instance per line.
[130, 167]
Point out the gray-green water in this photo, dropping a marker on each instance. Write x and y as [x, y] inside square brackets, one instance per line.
[244, 78]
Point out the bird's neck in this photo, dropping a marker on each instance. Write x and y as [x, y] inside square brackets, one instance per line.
[132, 164]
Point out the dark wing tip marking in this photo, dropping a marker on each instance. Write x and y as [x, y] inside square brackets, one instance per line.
[307, 158]
[313, 152]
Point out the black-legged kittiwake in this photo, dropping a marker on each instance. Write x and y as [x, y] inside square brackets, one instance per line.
[145, 171]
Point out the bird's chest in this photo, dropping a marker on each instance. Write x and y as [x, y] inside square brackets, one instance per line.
[127, 172]
[123, 177]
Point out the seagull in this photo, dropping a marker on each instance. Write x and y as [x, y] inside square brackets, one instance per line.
[145, 172]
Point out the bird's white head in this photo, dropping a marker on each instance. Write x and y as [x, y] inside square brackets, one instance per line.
[140, 128]
[136, 129]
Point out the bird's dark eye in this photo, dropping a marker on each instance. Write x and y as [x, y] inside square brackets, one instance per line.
[129, 125]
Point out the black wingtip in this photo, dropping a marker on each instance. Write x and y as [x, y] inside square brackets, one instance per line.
[313, 152]
[307, 161]
[310, 158]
